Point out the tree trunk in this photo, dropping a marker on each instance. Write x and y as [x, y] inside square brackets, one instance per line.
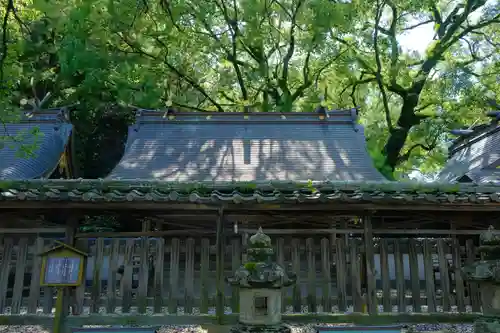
[399, 134]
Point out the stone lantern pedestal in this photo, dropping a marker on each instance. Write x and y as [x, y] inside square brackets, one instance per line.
[260, 281]
[486, 273]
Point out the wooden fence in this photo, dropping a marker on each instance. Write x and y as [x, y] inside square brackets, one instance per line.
[178, 275]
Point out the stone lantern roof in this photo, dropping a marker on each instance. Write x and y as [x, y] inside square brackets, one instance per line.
[260, 271]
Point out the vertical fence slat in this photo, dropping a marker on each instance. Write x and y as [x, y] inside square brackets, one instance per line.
[204, 270]
[297, 297]
[235, 264]
[414, 275]
[21, 261]
[311, 276]
[400, 276]
[430, 284]
[174, 276]
[341, 276]
[370, 266]
[357, 300]
[280, 258]
[126, 282]
[459, 282]
[143, 283]
[79, 301]
[35, 277]
[474, 295]
[95, 298]
[386, 278]
[113, 258]
[444, 276]
[5, 271]
[327, 279]
[189, 276]
[158, 281]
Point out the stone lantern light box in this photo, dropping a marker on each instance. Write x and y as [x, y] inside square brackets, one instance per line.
[260, 281]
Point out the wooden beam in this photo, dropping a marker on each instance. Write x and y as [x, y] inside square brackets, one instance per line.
[368, 207]
[374, 231]
[33, 230]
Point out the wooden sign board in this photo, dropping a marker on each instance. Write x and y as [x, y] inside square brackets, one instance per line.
[115, 329]
[360, 329]
[62, 266]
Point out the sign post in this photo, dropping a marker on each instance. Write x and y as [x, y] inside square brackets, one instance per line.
[62, 267]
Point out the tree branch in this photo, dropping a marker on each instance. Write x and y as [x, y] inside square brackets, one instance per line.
[177, 72]
[378, 73]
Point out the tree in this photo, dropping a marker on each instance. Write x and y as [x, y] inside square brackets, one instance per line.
[262, 55]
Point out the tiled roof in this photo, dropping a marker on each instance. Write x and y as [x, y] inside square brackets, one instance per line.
[53, 134]
[474, 156]
[250, 193]
[246, 147]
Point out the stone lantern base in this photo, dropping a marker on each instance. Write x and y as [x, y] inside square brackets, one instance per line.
[243, 328]
[490, 299]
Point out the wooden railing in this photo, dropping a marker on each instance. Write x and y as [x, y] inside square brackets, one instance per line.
[178, 275]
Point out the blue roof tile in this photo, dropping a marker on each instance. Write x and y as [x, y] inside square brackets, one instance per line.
[476, 157]
[256, 147]
[54, 132]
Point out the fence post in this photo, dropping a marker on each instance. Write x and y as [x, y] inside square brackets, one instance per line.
[370, 266]
[219, 299]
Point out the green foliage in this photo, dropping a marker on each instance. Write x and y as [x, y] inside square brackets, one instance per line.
[284, 55]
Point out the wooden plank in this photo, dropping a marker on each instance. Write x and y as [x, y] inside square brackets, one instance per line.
[189, 277]
[21, 263]
[280, 258]
[414, 276]
[126, 281]
[327, 277]
[158, 281]
[35, 277]
[444, 276]
[341, 276]
[430, 284]
[357, 297]
[382, 232]
[142, 293]
[459, 282]
[204, 271]
[219, 269]
[112, 276]
[235, 264]
[95, 295]
[475, 297]
[5, 268]
[296, 295]
[400, 276]
[174, 276]
[386, 278]
[33, 231]
[311, 276]
[83, 245]
[371, 297]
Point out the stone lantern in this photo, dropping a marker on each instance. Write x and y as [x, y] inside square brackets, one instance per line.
[260, 281]
[486, 273]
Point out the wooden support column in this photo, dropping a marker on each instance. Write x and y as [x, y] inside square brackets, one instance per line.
[371, 298]
[219, 298]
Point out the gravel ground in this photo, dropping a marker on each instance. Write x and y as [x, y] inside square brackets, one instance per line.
[435, 328]
[455, 328]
